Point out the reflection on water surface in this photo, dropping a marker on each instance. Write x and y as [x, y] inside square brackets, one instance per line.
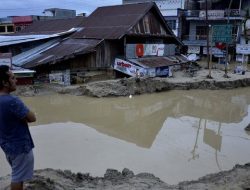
[176, 135]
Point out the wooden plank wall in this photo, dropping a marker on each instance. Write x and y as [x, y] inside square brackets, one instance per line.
[149, 25]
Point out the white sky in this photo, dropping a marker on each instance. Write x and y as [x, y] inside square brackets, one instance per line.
[36, 7]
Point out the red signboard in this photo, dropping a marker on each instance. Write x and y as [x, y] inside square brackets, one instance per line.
[220, 45]
[139, 50]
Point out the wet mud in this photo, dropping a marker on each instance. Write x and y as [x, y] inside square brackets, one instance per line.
[49, 179]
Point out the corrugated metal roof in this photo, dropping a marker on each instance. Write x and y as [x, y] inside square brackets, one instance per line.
[152, 62]
[52, 26]
[181, 58]
[33, 53]
[101, 33]
[113, 22]
[17, 39]
[67, 49]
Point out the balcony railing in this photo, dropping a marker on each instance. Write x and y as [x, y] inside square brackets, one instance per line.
[203, 37]
[194, 37]
[235, 13]
[215, 14]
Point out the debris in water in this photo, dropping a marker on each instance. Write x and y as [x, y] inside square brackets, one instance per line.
[247, 127]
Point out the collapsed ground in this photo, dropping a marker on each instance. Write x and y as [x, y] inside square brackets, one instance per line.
[132, 86]
[49, 179]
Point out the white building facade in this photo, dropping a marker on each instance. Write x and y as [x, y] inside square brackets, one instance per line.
[170, 9]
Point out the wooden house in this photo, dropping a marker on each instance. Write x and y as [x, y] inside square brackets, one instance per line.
[111, 33]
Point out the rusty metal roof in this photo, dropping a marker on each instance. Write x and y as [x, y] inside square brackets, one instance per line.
[52, 26]
[181, 58]
[65, 50]
[113, 22]
[152, 62]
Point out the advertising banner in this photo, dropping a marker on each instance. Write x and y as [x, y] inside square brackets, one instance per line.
[243, 49]
[62, 78]
[216, 52]
[154, 49]
[194, 49]
[242, 58]
[151, 72]
[162, 71]
[212, 14]
[144, 50]
[56, 78]
[129, 68]
[222, 33]
[134, 70]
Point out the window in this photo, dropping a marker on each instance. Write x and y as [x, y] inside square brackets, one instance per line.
[2, 28]
[172, 24]
[18, 28]
[201, 32]
[10, 29]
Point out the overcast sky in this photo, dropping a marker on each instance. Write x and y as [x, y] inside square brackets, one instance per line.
[36, 7]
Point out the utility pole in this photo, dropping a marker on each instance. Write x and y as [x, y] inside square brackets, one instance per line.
[208, 38]
[227, 59]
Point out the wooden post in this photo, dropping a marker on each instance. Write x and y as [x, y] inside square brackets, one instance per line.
[124, 46]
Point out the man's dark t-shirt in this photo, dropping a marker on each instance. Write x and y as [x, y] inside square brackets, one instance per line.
[15, 136]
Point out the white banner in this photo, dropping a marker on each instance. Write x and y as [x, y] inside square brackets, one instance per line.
[243, 49]
[154, 49]
[212, 14]
[128, 68]
[194, 49]
[56, 78]
[242, 58]
[62, 78]
[215, 51]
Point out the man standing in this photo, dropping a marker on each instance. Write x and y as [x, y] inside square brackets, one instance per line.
[15, 138]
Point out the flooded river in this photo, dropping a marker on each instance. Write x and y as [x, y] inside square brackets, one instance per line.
[176, 135]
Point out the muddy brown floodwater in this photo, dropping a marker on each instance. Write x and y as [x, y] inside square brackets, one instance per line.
[175, 135]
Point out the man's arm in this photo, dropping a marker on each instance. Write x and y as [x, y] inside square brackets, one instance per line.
[30, 117]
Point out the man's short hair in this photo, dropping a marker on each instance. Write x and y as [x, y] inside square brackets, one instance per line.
[4, 76]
